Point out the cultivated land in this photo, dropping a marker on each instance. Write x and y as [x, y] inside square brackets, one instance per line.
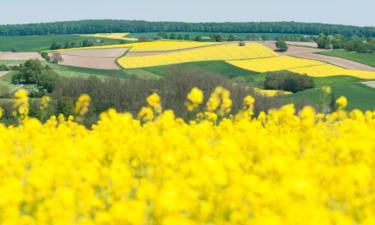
[316, 54]
[92, 58]
[152, 60]
[15, 56]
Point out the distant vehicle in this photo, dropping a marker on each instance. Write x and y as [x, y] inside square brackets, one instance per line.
[242, 43]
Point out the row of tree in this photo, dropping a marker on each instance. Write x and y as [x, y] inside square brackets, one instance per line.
[357, 44]
[84, 43]
[138, 26]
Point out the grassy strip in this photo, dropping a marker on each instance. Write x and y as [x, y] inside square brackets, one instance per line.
[365, 58]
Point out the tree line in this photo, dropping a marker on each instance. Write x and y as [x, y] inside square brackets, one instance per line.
[140, 26]
[356, 44]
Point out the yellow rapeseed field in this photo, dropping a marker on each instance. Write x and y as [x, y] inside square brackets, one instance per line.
[119, 36]
[164, 45]
[331, 70]
[302, 66]
[279, 168]
[152, 46]
[274, 63]
[217, 52]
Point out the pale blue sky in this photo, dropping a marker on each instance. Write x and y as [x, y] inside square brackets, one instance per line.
[355, 12]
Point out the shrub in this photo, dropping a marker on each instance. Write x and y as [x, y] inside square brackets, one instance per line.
[281, 46]
[288, 81]
[33, 72]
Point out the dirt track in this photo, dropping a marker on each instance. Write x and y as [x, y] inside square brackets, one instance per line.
[92, 58]
[311, 53]
[3, 73]
[19, 56]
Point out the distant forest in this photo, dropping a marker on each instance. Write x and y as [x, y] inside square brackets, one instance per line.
[136, 26]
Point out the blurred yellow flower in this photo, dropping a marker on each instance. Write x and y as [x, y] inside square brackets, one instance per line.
[82, 104]
[341, 102]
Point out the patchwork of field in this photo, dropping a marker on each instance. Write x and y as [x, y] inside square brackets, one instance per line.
[153, 46]
[309, 50]
[302, 66]
[257, 57]
[91, 58]
[210, 53]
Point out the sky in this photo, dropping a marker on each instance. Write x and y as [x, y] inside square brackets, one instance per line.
[350, 12]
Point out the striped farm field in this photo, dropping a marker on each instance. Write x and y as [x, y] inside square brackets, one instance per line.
[302, 66]
[210, 53]
[154, 46]
[160, 46]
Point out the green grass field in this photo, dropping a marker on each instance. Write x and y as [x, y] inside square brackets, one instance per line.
[365, 58]
[218, 67]
[41, 43]
[359, 96]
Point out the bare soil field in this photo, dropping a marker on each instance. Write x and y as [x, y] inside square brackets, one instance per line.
[311, 53]
[19, 56]
[92, 58]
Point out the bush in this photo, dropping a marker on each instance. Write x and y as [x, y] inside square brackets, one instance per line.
[33, 72]
[281, 46]
[288, 81]
[45, 56]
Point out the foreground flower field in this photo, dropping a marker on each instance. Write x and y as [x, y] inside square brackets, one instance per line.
[282, 167]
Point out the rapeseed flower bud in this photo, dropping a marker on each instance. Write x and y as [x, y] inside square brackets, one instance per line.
[154, 102]
[82, 104]
[195, 98]
[146, 114]
[21, 104]
[341, 103]
[44, 102]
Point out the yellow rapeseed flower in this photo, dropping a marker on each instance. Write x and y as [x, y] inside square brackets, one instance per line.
[82, 104]
[195, 98]
[44, 102]
[341, 102]
[280, 167]
[21, 104]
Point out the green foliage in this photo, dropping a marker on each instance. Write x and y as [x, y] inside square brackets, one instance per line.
[133, 26]
[218, 37]
[324, 42]
[288, 81]
[281, 45]
[45, 56]
[357, 44]
[84, 43]
[33, 72]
